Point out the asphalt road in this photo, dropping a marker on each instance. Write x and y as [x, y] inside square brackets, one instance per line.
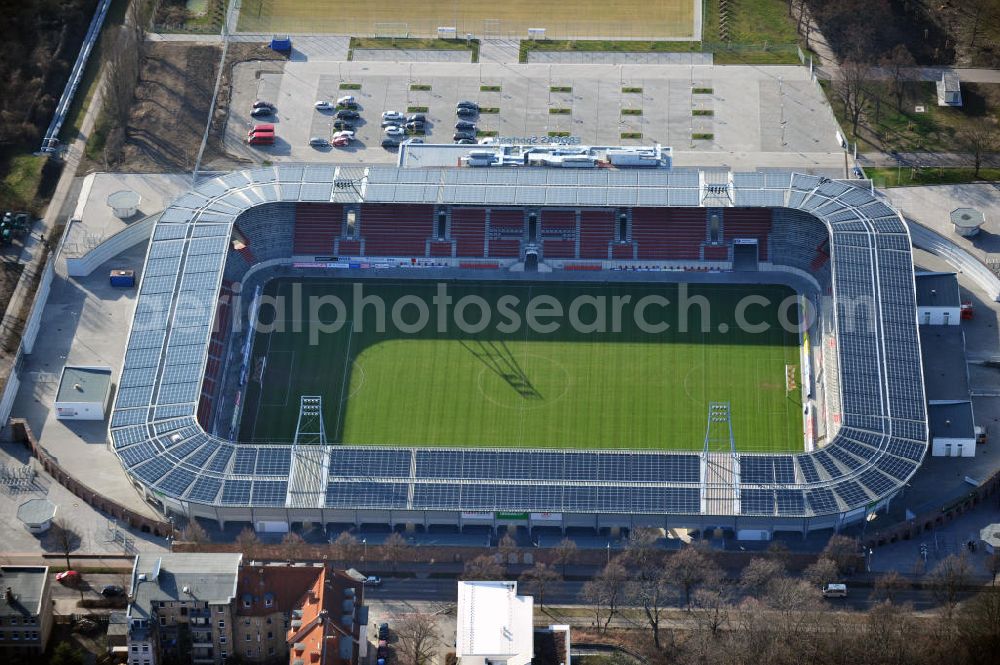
[568, 593]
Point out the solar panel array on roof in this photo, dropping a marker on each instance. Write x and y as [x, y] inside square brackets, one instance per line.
[884, 418]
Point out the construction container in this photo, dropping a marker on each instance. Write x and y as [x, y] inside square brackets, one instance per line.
[123, 278]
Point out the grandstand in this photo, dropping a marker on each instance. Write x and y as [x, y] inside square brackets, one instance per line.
[170, 424]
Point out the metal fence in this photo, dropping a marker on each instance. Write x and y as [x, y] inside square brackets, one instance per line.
[50, 142]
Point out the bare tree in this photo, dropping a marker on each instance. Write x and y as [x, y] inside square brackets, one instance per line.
[710, 608]
[564, 554]
[63, 538]
[992, 565]
[417, 638]
[690, 568]
[843, 551]
[641, 549]
[539, 578]
[507, 546]
[979, 139]
[889, 632]
[195, 533]
[393, 548]
[979, 627]
[248, 543]
[824, 570]
[888, 586]
[948, 579]
[484, 567]
[294, 546]
[605, 592]
[853, 89]
[346, 548]
[758, 575]
[650, 590]
[895, 66]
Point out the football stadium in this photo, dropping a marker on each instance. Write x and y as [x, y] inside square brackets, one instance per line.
[559, 347]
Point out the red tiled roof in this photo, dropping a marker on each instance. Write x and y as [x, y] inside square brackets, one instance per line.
[283, 585]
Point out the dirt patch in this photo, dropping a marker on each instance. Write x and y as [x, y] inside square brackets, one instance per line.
[172, 104]
[171, 107]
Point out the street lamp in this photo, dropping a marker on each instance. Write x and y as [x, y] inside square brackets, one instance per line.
[609, 551]
[364, 555]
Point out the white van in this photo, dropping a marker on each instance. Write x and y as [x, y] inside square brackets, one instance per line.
[835, 591]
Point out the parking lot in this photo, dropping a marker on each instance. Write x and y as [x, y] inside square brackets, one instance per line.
[700, 109]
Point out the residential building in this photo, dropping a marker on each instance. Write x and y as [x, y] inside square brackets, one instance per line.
[329, 625]
[266, 596]
[182, 604]
[494, 625]
[25, 609]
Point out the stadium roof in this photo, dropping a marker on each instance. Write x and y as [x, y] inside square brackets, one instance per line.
[883, 435]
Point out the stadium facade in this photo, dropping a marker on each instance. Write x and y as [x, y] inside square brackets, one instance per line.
[179, 387]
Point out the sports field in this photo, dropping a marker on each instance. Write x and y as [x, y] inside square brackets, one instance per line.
[582, 385]
[622, 19]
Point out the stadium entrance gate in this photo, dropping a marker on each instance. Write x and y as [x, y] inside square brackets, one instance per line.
[745, 254]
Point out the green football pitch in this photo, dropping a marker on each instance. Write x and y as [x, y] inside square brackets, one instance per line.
[580, 19]
[598, 380]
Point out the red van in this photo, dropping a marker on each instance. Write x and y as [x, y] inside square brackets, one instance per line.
[256, 129]
[261, 138]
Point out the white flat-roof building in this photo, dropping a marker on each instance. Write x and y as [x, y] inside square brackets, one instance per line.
[83, 393]
[495, 625]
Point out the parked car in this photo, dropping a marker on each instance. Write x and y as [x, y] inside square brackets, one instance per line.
[463, 135]
[383, 631]
[69, 577]
[414, 140]
[261, 112]
[343, 124]
[112, 591]
[465, 125]
[257, 129]
[348, 136]
[323, 105]
[416, 117]
[466, 104]
[347, 114]
[347, 102]
[341, 142]
[394, 116]
[467, 112]
[392, 123]
[319, 142]
[466, 142]
[394, 130]
[373, 580]
[415, 126]
[259, 104]
[390, 142]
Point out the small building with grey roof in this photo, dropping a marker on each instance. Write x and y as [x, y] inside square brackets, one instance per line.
[938, 299]
[25, 609]
[83, 392]
[949, 402]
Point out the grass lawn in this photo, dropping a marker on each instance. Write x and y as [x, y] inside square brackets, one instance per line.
[886, 128]
[759, 33]
[413, 43]
[628, 18]
[630, 389]
[22, 176]
[893, 177]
